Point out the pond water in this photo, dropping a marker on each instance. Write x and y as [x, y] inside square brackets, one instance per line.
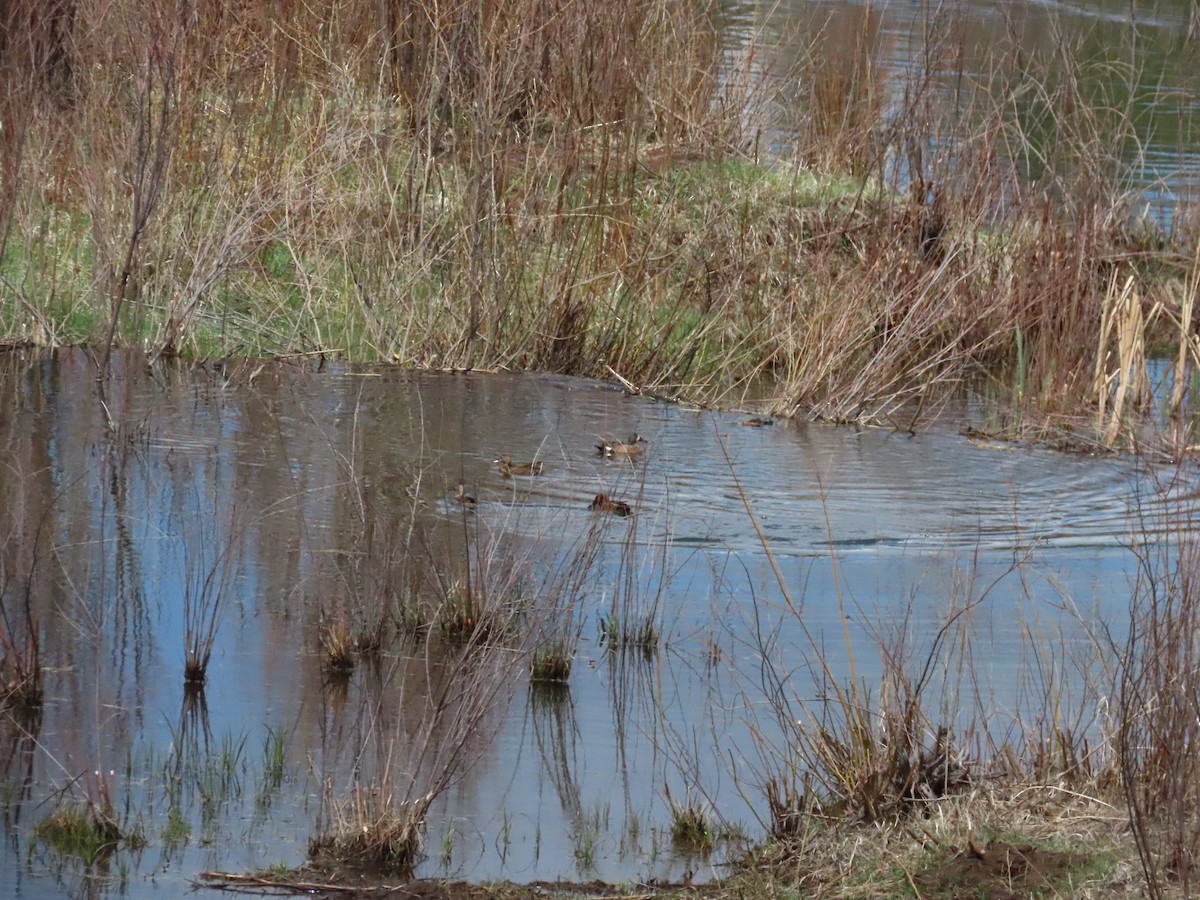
[1139, 64]
[299, 495]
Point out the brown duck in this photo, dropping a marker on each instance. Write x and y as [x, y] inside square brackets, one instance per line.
[508, 468]
[631, 447]
[461, 496]
[605, 503]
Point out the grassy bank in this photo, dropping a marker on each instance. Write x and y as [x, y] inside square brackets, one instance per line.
[539, 185]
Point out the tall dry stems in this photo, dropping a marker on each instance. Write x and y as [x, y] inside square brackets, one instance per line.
[425, 733]
[565, 186]
[1157, 718]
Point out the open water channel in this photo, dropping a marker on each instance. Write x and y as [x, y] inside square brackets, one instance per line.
[304, 494]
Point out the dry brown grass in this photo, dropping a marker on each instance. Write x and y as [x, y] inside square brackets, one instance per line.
[371, 828]
[452, 185]
[1080, 831]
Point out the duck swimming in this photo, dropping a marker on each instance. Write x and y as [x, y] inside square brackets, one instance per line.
[461, 496]
[631, 447]
[508, 468]
[605, 503]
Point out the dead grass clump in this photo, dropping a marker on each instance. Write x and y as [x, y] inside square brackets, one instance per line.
[338, 648]
[999, 839]
[466, 616]
[865, 759]
[372, 829]
[875, 777]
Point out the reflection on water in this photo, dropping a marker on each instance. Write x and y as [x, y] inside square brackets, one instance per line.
[307, 498]
[1139, 65]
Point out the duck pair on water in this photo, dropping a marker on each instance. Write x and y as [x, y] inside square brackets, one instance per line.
[601, 502]
[631, 447]
[627, 449]
[508, 468]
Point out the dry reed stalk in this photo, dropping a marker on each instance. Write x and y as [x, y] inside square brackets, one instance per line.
[1122, 315]
[1187, 359]
[1157, 719]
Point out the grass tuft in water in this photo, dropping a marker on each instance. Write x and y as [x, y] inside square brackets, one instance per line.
[337, 649]
[462, 616]
[691, 826]
[84, 832]
[638, 635]
[177, 830]
[135, 838]
[551, 665]
[478, 614]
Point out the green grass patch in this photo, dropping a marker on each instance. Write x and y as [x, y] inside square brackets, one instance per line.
[79, 832]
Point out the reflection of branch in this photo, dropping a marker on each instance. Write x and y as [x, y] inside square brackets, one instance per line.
[557, 736]
[193, 736]
[234, 882]
[22, 745]
[205, 585]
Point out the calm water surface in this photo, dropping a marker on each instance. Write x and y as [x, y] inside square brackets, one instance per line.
[316, 494]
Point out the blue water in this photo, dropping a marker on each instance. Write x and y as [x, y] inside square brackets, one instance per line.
[296, 490]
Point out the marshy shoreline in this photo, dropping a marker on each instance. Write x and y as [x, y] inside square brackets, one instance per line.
[490, 205]
[583, 189]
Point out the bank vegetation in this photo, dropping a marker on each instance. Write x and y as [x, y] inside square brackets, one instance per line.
[636, 190]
